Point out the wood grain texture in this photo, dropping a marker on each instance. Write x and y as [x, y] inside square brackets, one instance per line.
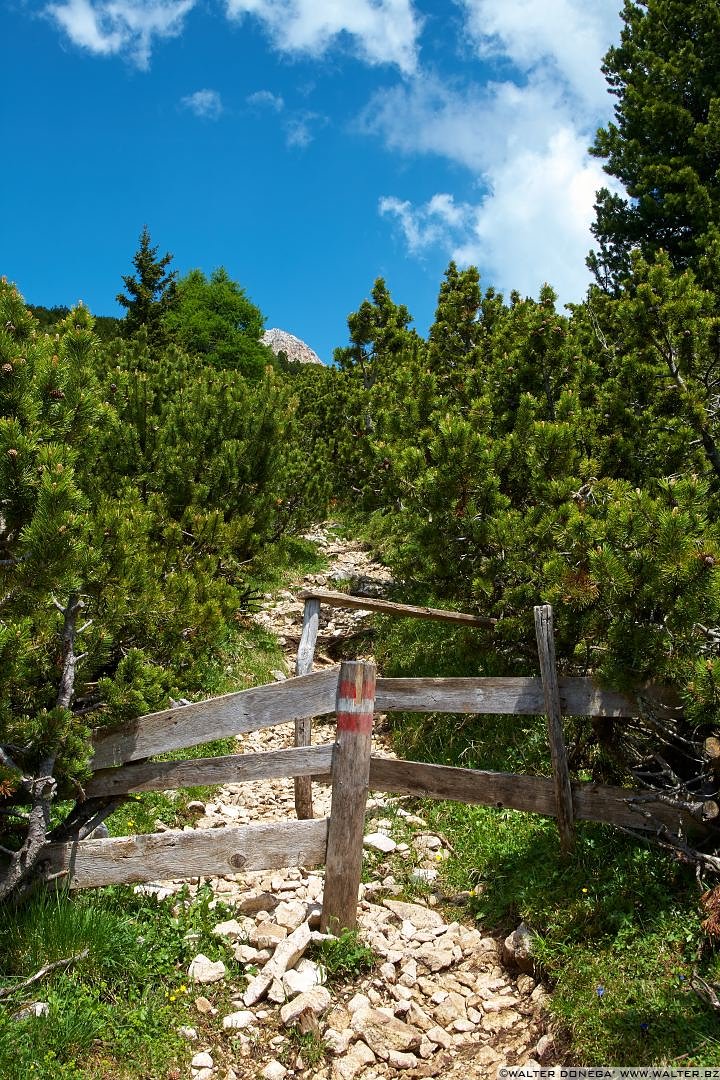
[350, 777]
[591, 802]
[303, 725]
[545, 633]
[218, 718]
[520, 696]
[170, 855]
[386, 607]
[232, 769]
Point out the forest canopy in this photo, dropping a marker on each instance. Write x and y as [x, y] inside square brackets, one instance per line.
[518, 454]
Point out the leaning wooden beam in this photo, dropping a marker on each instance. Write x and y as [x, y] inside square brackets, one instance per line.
[520, 696]
[169, 855]
[553, 711]
[386, 607]
[591, 802]
[350, 775]
[303, 725]
[232, 769]
[218, 718]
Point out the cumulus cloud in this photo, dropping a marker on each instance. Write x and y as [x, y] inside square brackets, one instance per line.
[569, 37]
[108, 27]
[534, 226]
[265, 99]
[383, 31]
[524, 140]
[207, 104]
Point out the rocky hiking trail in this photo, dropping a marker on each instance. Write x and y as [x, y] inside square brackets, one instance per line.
[444, 999]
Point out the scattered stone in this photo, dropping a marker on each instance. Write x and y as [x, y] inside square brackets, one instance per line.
[303, 978]
[525, 984]
[202, 1060]
[230, 929]
[290, 914]
[500, 1021]
[247, 955]
[379, 841]
[383, 1033]
[399, 1060]
[267, 935]
[347, 1068]
[37, 1008]
[422, 918]
[544, 1049]
[274, 1071]
[288, 951]
[439, 1036]
[251, 903]
[317, 1001]
[237, 1020]
[204, 1006]
[204, 970]
[337, 1042]
[189, 1033]
[517, 950]
[256, 989]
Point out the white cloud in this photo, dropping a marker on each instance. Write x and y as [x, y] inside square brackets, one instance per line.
[299, 127]
[534, 226]
[265, 99]
[384, 31]
[108, 27]
[207, 104]
[569, 36]
[435, 222]
[524, 140]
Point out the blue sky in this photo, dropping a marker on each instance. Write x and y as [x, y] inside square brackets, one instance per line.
[309, 146]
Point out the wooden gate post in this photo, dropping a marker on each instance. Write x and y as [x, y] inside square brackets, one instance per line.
[553, 711]
[303, 728]
[350, 781]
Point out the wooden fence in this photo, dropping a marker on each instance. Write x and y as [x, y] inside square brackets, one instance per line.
[353, 693]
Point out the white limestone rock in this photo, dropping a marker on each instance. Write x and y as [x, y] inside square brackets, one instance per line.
[204, 970]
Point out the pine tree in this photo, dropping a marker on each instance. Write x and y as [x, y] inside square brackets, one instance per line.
[664, 145]
[151, 291]
[213, 319]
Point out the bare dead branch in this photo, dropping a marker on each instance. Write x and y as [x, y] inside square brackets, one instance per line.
[57, 965]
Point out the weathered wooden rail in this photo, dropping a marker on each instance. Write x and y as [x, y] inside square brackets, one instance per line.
[352, 692]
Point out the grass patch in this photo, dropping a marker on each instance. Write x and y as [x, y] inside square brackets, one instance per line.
[344, 957]
[114, 1013]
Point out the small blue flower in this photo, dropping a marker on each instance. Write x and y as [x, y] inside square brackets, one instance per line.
[600, 991]
[644, 1027]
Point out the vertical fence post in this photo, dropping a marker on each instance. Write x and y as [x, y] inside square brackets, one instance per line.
[350, 780]
[553, 710]
[303, 728]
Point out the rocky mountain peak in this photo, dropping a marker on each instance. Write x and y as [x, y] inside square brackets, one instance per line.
[295, 349]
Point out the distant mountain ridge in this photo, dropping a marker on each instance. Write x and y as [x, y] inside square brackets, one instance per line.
[295, 349]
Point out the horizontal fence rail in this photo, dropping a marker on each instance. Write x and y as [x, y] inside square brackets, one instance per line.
[219, 718]
[231, 769]
[512, 791]
[387, 607]
[204, 852]
[579, 696]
